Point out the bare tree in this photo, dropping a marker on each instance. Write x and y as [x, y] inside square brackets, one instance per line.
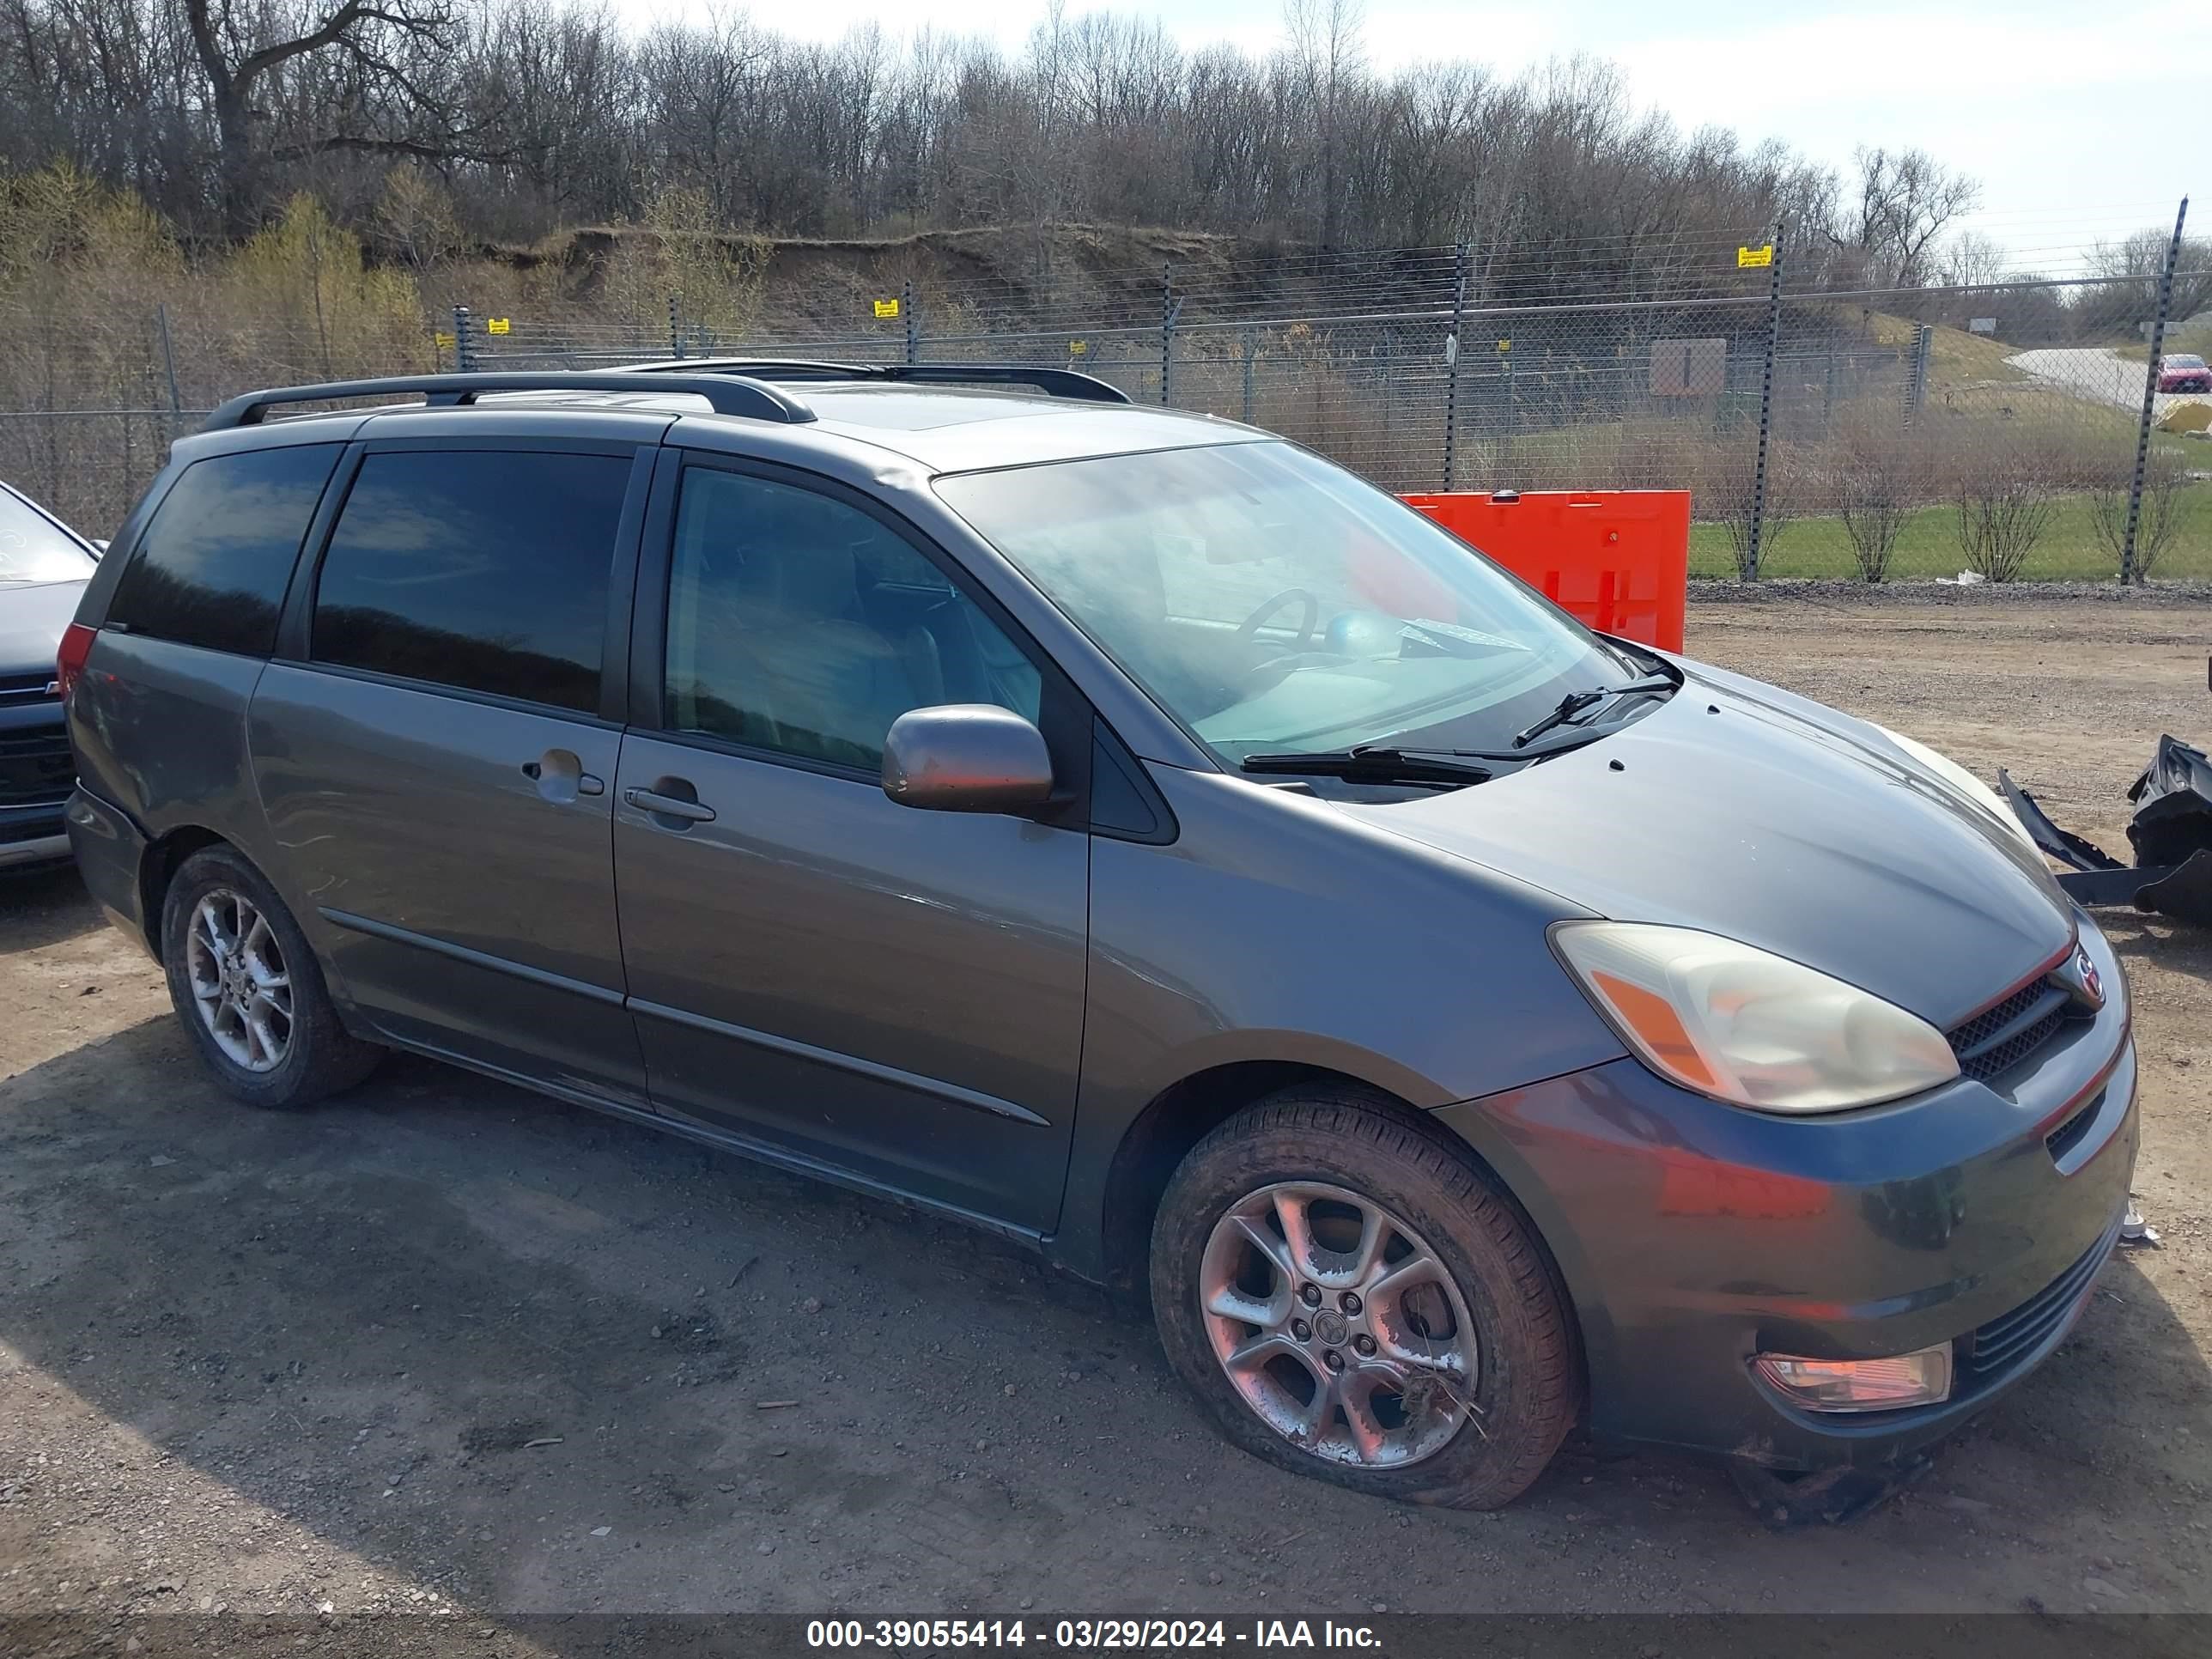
[1904, 202]
[2133, 266]
[241, 51]
[536, 114]
[1973, 259]
[1329, 57]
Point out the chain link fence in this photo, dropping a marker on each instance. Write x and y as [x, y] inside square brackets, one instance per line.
[1873, 434]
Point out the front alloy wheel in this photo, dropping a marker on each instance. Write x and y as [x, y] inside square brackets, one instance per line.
[1349, 1294]
[1337, 1324]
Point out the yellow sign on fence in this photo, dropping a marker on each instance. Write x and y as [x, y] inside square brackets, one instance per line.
[497, 326]
[1077, 348]
[1746, 256]
[887, 307]
[442, 340]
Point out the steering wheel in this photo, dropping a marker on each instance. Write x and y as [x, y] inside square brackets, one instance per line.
[1248, 631]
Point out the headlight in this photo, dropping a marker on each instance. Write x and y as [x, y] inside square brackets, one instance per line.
[1747, 1026]
[1965, 782]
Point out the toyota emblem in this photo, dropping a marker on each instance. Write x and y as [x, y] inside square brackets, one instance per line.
[2092, 982]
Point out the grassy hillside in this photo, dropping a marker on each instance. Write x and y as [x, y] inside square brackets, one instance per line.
[1955, 358]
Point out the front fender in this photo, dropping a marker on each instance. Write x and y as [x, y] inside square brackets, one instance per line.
[1278, 930]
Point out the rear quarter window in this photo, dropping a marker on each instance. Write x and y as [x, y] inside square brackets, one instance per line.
[212, 565]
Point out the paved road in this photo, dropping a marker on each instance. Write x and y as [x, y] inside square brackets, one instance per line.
[2097, 373]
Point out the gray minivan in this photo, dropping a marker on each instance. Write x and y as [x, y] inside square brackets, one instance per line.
[1129, 833]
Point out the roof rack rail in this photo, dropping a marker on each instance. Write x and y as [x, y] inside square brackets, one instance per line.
[1038, 377]
[726, 394]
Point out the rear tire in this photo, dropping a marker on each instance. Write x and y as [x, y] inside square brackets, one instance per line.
[249, 990]
[1452, 1383]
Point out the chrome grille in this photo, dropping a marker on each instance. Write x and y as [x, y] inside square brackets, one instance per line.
[35, 769]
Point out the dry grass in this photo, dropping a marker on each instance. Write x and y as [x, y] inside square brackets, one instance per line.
[1955, 357]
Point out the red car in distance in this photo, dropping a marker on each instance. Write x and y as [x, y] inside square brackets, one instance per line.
[2183, 371]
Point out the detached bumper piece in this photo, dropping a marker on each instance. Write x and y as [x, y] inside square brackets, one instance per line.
[2171, 834]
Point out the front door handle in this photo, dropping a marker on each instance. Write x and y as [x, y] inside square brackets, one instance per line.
[668, 806]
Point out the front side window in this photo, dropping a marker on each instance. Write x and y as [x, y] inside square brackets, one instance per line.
[213, 564]
[799, 624]
[32, 550]
[1271, 601]
[482, 570]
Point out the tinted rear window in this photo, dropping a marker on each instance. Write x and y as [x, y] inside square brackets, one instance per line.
[212, 566]
[482, 570]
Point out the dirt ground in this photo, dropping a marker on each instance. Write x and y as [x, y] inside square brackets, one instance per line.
[442, 1347]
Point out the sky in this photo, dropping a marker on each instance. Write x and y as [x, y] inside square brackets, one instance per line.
[2081, 119]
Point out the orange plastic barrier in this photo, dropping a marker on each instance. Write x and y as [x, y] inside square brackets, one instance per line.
[1617, 559]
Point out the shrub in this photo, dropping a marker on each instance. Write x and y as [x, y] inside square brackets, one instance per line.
[1883, 472]
[2004, 507]
[1723, 476]
[2168, 504]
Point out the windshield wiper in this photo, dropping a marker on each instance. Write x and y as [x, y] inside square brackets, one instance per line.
[1369, 763]
[1575, 703]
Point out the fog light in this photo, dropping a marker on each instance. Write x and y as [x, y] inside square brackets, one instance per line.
[1860, 1385]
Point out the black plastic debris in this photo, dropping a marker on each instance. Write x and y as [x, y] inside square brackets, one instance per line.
[2171, 834]
[1833, 1498]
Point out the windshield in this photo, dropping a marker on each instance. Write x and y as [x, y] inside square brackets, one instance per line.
[32, 550]
[1269, 600]
[2186, 360]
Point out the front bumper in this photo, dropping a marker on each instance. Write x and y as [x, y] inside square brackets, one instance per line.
[38, 842]
[1694, 1236]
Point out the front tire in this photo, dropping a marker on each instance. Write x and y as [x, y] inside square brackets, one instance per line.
[1349, 1296]
[248, 989]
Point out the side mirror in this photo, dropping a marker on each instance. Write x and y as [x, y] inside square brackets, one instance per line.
[966, 757]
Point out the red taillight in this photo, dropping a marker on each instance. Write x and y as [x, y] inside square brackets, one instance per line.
[69, 662]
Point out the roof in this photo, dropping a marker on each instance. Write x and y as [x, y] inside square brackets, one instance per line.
[937, 427]
[947, 430]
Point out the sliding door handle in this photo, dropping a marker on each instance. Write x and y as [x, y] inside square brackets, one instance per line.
[668, 806]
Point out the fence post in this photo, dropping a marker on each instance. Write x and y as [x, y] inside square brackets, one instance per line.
[1916, 385]
[1251, 351]
[169, 367]
[1505, 441]
[2150, 397]
[1451, 362]
[913, 323]
[464, 351]
[1765, 407]
[1170, 306]
[675, 324]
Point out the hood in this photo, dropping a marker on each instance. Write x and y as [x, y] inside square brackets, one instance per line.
[31, 623]
[1747, 812]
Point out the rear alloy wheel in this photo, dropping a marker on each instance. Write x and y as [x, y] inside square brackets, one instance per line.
[248, 989]
[238, 980]
[1348, 1293]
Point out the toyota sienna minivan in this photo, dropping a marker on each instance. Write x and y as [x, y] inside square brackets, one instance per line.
[1129, 833]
